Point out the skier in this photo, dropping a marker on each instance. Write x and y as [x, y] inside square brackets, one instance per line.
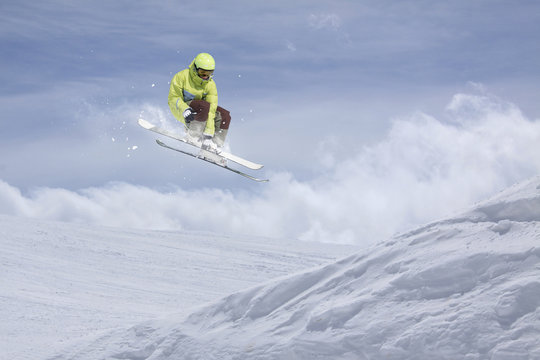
[193, 100]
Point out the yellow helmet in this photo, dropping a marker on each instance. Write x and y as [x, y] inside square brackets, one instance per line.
[205, 61]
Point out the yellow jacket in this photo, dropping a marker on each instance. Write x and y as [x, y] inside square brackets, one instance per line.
[186, 85]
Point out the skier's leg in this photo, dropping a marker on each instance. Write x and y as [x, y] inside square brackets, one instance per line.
[222, 122]
[196, 127]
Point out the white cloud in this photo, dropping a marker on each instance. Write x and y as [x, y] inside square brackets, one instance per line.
[325, 21]
[422, 170]
[330, 22]
[290, 46]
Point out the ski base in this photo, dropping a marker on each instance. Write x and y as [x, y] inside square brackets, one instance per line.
[212, 158]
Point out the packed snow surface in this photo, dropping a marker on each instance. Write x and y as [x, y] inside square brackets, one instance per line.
[464, 288]
[61, 283]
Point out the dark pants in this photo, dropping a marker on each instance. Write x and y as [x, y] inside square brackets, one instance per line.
[201, 107]
[221, 121]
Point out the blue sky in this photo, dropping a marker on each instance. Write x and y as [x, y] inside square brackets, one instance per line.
[312, 86]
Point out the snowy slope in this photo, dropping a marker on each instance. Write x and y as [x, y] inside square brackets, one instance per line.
[60, 282]
[464, 288]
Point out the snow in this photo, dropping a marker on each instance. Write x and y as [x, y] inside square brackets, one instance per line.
[465, 287]
[61, 282]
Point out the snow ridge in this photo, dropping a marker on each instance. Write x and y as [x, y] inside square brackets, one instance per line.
[463, 288]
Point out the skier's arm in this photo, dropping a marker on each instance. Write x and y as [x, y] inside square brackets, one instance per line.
[212, 98]
[176, 97]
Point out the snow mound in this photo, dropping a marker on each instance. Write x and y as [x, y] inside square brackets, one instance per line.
[64, 282]
[520, 202]
[463, 288]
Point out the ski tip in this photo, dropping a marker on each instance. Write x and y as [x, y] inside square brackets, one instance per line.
[145, 124]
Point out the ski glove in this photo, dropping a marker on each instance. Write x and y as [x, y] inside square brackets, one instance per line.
[189, 115]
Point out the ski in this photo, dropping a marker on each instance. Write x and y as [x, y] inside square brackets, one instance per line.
[212, 158]
[237, 159]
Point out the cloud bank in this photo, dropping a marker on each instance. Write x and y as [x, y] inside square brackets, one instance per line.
[424, 168]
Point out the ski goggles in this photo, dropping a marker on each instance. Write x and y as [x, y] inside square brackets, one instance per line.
[205, 74]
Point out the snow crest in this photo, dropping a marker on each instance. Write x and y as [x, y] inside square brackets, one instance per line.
[463, 288]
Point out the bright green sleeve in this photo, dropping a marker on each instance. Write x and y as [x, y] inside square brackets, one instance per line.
[176, 96]
[212, 98]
